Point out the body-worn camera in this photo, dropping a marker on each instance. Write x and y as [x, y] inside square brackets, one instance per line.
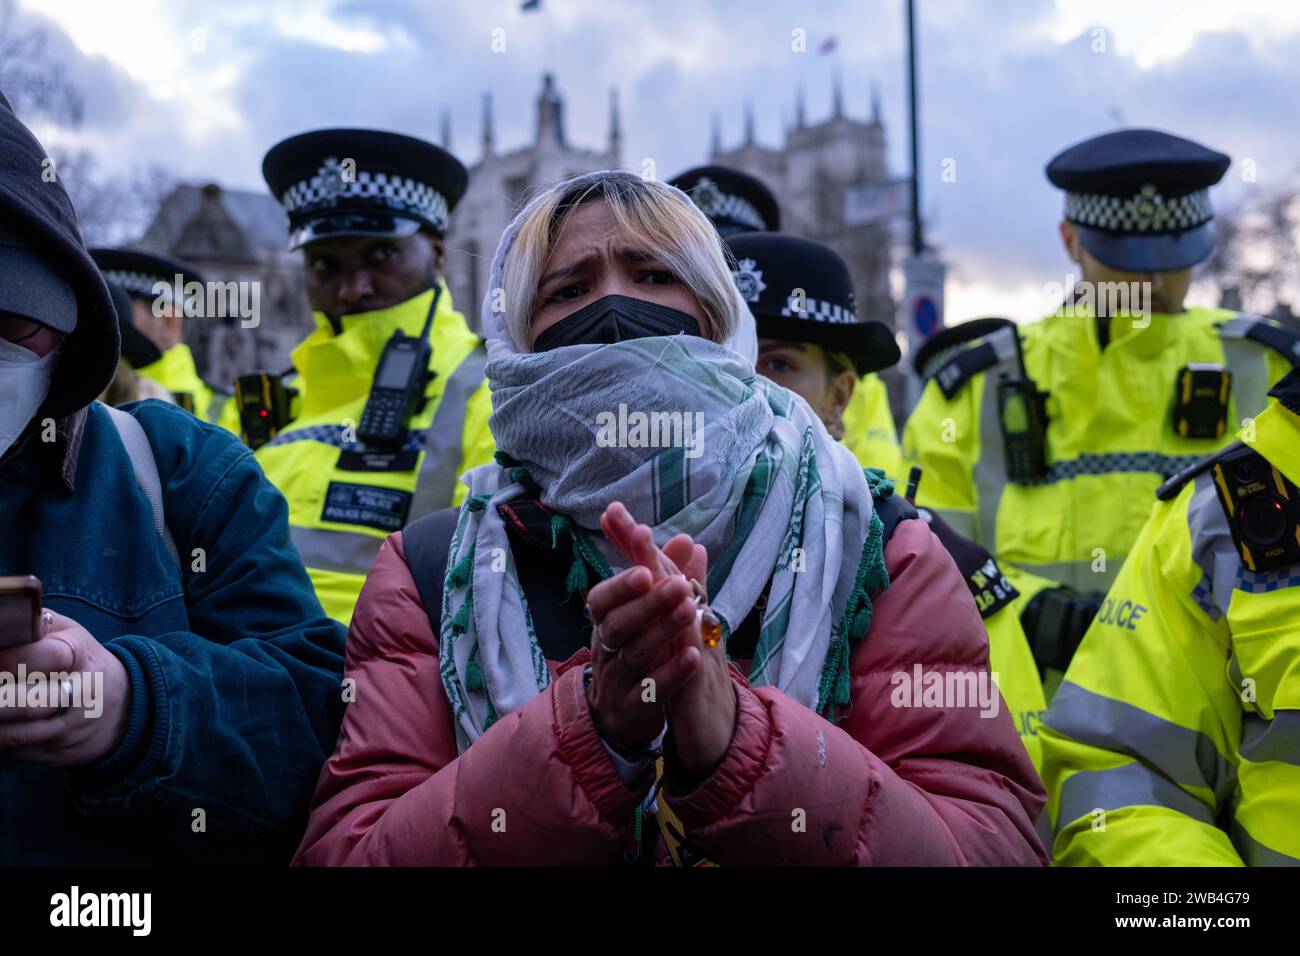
[263, 402]
[1262, 506]
[1201, 400]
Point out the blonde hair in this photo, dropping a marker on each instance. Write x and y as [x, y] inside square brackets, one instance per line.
[660, 216]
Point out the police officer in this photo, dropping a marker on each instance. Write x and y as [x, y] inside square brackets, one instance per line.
[737, 203]
[153, 332]
[391, 405]
[1044, 443]
[811, 341]
[1178, 724]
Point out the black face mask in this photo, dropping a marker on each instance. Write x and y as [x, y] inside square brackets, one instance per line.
[615, 318]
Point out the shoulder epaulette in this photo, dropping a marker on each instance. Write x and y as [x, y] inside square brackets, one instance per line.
[1266, 332]
[1174, 485]
[957, 354]
[1287, 391]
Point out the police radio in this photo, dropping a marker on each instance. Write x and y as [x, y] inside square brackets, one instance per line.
[1262, 506]
[1022, 413]
[397, 391]
[263, 402]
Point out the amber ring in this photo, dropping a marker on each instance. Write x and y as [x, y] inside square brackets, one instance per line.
[710, 626]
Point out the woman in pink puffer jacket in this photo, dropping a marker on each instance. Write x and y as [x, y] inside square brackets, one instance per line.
[497, 719]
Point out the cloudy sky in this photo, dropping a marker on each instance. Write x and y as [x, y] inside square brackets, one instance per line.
[205, 87]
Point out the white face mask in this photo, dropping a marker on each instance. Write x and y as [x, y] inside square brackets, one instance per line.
[24, 383]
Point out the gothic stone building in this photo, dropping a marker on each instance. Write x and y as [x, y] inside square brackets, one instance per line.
[500, 183]
[811, 173]
[238, 235]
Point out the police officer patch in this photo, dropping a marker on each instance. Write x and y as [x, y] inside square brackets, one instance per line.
[373, 507]
[749, 279]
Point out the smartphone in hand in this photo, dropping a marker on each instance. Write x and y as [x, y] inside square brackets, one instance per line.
[20, 610]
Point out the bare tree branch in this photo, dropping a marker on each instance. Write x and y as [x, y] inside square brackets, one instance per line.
[33, 82]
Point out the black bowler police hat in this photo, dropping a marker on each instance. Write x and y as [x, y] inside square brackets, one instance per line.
[771, 272]
[362, 182]
[735, 202]
[138, 272]
[1140, 198]
[134, 274]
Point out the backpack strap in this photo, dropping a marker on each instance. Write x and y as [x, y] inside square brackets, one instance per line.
[893, 510]
[426, 542]
[136, 443]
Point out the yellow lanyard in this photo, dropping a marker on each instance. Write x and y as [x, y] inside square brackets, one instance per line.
[682, 851]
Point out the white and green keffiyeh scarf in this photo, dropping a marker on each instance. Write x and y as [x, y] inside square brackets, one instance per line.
[760, 483]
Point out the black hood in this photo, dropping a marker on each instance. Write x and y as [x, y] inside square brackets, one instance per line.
[42, 211]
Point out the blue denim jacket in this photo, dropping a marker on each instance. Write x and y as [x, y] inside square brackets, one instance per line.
[234, 668]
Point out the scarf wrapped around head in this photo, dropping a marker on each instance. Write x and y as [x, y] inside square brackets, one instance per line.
[684, 433]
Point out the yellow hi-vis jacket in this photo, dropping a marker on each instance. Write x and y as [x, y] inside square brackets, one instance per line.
[1175, 739]
[1110, 436]
[1017, 677]
[344, 499]
[869, 427]
[870, 434]
[175, 371]
[1010, 659]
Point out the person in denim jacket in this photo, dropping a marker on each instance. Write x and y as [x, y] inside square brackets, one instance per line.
[185, 689]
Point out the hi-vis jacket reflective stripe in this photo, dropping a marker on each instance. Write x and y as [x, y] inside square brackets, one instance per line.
[1175, 739]
[1110, 439]
[869, 427]
[343, 501]
[1017, 675]
[175, 371]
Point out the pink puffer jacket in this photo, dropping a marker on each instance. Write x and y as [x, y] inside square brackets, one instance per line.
[888, 786]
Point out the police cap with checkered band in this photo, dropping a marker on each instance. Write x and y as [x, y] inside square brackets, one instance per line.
[801, 291]
[141, 273]
[362, 182]
[1140, 198]
[144, 276]
[735, 202]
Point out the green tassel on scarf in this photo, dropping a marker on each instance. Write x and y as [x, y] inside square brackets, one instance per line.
[585, 555]
[872, 578]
